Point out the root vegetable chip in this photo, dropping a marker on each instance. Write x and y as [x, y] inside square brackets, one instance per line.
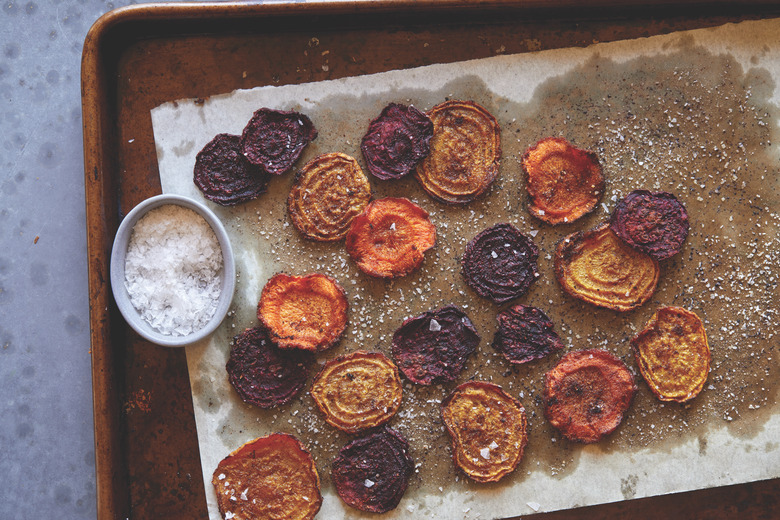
[655, 223]
[389, 239]
[465, 152]
[305, 312]
[525, 333]
[371, 473]
[224, 176]
[271, 477]
[358, 391]
[564, 182]
[599, 268]
[275, 139]
[487, 427]
[433, 347]
[328, 193]
[262, 374]
[500, 263]
[396, 141]
[673, 354]
[587, 393]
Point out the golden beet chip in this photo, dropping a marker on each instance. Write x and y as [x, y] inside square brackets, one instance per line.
[465, 152]
[390, 237]
[270, 477]
[306, 312]
[487, 427]
[599, 268]
[587, 393]
[564, 182]
[328, 192]
[358, 391]
[673, 354]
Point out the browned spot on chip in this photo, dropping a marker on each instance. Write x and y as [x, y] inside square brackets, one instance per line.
[358, 390]
[587, 393]
[564, 182]
[465, 152]
[328, 193]
[673, 354]
[599, 268]
[306, 312]
[270, 477]
[390, 237]
[488, 430]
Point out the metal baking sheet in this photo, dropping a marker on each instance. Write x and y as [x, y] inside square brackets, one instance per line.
[692, 113]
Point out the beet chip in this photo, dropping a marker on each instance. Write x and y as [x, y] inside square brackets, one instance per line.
[371, 473]
[525, 333]
[262, 374]
[224, 176]
[275, 139]
[500, 263]
[396, 141]
[655, 223]
[433, 347]
[587, 393]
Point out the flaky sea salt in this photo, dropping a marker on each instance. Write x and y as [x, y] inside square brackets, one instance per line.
[173, 270]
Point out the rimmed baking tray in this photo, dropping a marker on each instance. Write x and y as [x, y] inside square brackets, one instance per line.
[136, 58]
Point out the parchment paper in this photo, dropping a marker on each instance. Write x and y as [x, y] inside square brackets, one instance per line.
[692, 113]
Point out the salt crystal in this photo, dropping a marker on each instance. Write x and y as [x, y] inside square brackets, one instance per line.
[485, 453]
[534, 505]
[368, 483]
[434, 326]
[493, 254]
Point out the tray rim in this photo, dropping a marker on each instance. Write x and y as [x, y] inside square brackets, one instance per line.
[100, 142]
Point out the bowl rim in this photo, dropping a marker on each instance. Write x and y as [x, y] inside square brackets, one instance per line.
[117, 270]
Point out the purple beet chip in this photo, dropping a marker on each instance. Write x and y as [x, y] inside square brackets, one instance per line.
[525, 333]
[655, 223]
[433, 347]
[500, 263]
[275, 139]
[261, 373]
[371, 473]
[224, 176]
[396, 141]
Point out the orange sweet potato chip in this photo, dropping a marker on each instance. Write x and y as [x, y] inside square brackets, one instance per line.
[390, 237]
[306, 312]
[328, 192]
[587, 393]
[465, 152]
[564, 182]
[357, 391]
[270, 477]
[673, 354]
[487, 427]
[599, 268]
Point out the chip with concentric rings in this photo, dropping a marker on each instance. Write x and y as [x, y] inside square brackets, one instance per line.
[525, 333]
[564, 182]
[327, 194]
[673, 354]
[500, 263]
[465, 152]
[587, 393]
[598, 267]
[275, 139]
[390, 238]
[487, 427]
[357, 391]
[269, 477]
[304, 312]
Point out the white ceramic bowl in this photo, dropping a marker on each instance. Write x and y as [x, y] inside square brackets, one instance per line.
[119, 252]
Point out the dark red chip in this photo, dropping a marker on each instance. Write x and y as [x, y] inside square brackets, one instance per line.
[655, 223]
[396, 141]
[525, 333]
[371, 473]
[275, 139]
[500, 263]
[433, 347]
[262, 374]
[224, 176]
